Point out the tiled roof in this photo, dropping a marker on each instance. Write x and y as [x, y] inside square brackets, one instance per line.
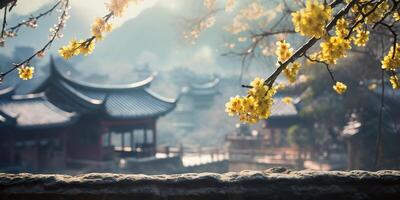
[210, 84]
[280, 109]
[130, 104]
[34, 111]
[209, 88]
[127, 101]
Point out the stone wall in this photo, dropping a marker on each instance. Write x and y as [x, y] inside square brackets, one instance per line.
[277, 184]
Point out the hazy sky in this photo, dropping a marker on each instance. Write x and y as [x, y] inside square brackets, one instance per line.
[152, 34]
[93, 8]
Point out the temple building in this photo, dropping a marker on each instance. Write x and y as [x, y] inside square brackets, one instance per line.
[195, 99]
[66, 123]
[265, 145]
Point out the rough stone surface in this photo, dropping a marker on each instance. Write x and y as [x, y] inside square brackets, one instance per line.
[276, 184]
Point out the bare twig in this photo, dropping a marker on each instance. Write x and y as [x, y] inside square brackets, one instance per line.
[17, 26]
[55, 34]
[4, 22]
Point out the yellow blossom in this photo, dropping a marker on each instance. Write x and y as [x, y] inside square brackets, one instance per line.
[287, 100]
[26, 72]
[396, 16]
[283, 50]
[340, 87]
[334, 48]
[378, 13]
[117, 7]
[342, 27]
[311, 20]
[291, 71]
[255, 106]
[234, 105]
[99, 27]
[87, 49]
[72, 49]
[394, 80]
[361, 38]
[391, 62]
[65, 52]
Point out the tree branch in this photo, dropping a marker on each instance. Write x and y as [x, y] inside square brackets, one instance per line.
[271, 79]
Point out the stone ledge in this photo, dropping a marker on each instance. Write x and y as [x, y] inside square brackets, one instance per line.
[277, 183]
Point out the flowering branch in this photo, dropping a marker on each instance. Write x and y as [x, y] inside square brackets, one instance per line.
[99, 27]
[25, 71]
[271, 79]
[31, 22]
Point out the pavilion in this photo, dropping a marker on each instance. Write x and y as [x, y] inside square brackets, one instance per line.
[94, 124]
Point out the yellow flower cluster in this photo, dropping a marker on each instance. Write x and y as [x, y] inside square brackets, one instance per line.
[340, 87]
[99, 27]
[25, 72]
[291, 71]
[334, 48]
[377, 14]
[396, 16]
[117, 7]
[361, 37]
[255, 106]
[342, 28]
[311, 20]
[391, 62]
[283, 52]
[76, 47]
[287, 100]
[394, 80]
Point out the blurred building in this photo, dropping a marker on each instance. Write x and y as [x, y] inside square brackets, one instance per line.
[67, 124]
[265, 146]
[195, 98]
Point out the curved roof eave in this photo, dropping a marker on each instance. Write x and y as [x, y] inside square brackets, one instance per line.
[207, 85]
[161, 98]
[81, 96]
[94, 86]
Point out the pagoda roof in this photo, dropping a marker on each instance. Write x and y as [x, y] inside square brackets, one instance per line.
[33, 111]
[208, 88]
[282, 109]
[118, 101]
[208, 85]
